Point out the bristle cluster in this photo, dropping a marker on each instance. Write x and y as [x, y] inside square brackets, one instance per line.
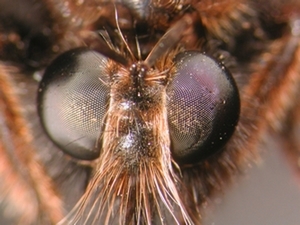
[118, 196]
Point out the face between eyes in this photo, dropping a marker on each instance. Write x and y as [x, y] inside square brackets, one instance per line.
[140, 121]
[196, 99]
[137, 121]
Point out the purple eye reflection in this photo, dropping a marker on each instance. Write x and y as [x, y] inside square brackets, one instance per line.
[203, 107]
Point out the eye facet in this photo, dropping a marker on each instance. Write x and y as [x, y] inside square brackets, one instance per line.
[72, 101]
[203, 107]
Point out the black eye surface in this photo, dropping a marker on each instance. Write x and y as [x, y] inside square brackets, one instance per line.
[203, 107]
[72, 102]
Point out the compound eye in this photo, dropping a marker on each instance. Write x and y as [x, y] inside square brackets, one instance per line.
[72, 102]
[203, 107]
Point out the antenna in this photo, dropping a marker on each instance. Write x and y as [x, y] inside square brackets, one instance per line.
[169, 39]
[121, 34]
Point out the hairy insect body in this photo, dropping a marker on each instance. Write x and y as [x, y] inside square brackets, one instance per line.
[136, 107]
[134, 142]
[158, 108]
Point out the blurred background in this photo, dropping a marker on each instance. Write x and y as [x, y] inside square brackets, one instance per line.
[268, 194]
